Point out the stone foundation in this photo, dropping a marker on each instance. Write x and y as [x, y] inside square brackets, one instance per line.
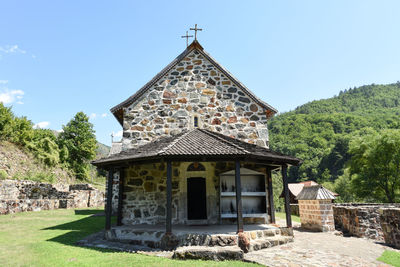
[316, 215]
[259, 237]
[20, 196]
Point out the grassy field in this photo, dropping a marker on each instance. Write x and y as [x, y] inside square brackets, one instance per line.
[390, 257]
[47, 238]
[282, 215]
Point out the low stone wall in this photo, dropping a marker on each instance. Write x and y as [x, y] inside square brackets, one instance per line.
[19, 196]
[390, 222]
[361, 219]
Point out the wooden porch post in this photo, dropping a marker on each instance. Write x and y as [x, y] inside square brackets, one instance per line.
[286, 194]
[120, 195]
[168, 229]
[109, 198]
[238, 198]
[271, 206]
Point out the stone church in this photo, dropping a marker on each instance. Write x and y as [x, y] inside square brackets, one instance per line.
[195, 151]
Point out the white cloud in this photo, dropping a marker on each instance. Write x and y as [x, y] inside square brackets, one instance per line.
[11, 49]
[8, 96]
[41, 125]
[118, 134]
[3, 81]
[95, 115]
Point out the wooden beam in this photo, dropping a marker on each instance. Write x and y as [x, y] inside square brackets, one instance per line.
[168, 223]
[109, 198]
[287, 198]
[271, 206]
[238, 198]
[120, 195]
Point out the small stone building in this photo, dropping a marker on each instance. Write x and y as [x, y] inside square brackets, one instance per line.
[195, 150]
[315, 206]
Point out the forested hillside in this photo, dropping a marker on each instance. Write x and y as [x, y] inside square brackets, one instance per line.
[320, 132]
[27, 153]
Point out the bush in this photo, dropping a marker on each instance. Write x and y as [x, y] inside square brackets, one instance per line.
[3, 175]
[45, 150]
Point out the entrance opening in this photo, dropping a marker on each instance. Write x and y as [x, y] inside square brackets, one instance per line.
[196, 196]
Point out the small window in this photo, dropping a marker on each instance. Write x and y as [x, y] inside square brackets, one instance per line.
[196, 122]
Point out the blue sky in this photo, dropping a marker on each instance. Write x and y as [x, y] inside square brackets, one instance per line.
[61, 57]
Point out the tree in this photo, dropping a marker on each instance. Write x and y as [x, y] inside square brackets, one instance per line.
[6, 121]
[79, 139]
[375, 165]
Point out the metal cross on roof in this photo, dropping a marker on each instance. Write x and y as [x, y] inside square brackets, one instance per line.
[187, 38]
[195, 29]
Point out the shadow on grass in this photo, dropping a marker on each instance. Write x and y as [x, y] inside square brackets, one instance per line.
[89, 212]
[79, 229]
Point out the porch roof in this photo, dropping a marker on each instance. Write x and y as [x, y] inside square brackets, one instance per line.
[197, 144]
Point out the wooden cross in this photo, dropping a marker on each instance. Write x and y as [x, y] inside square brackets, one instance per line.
[195, 29]
[187, 38]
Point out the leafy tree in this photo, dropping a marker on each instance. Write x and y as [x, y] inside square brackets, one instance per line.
[22, 131]
[6, 122]
[375, 165]
[46, 150]
[78, 137]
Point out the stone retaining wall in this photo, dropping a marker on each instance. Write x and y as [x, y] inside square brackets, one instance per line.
[19, 196]
[361, 219]
[390, 222]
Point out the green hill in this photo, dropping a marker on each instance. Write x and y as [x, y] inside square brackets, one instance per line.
[319, 132]
[102, 150]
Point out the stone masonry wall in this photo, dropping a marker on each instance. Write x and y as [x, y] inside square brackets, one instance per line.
[144, 197]
[360, 219]
[390, 222]
[194, 88]
[19, 196]
[316, 215]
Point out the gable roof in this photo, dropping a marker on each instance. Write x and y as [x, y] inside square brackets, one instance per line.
[197, 144]
[296, 188]
[195, 45]
[315, 192]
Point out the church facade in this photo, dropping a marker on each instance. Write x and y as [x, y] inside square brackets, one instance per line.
[195, 150]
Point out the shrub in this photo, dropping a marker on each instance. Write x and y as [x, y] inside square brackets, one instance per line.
[3, 175]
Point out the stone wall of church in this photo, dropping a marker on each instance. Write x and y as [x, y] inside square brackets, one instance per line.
[194, 88]
[144, 197]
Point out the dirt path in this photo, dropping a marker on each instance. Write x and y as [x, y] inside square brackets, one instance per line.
[321, 249]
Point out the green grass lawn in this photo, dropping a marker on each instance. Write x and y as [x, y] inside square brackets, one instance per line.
[282, 215]
[47, 238]
[390, 257]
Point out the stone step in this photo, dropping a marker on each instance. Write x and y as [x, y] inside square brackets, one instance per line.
[208, 253]
[269, 242]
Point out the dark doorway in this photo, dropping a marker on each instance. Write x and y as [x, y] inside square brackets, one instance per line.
[196, 196]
